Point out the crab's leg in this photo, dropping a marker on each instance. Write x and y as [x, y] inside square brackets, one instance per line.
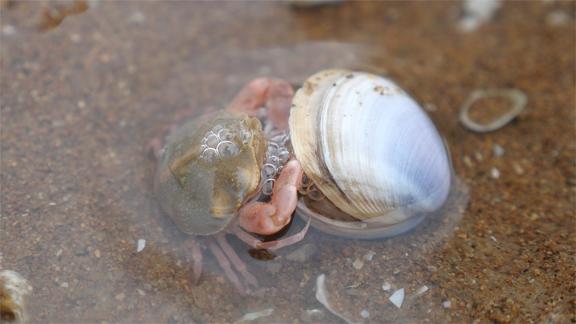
[235, 260]
[271, 245]
[196, 259]
[225, 265]
[269, 218]
[154, 148]
[274, 94]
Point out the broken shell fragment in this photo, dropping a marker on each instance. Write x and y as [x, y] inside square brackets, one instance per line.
[517, 98]
[13, 289]
[397, 298]
[323, 298]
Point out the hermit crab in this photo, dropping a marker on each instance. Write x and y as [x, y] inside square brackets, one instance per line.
[350, 152]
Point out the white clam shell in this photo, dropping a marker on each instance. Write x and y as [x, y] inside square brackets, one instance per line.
[369, 147]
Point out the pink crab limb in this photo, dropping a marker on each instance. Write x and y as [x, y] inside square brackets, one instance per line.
[196, 259]
[271, 245]
[274, 94]
[235, 260]
[269, 218]
[225, 265]
[154, 147]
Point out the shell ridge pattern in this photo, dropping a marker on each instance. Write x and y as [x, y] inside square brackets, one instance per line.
[410, 178]
[327, 139]
[438, 182]
[329, 136]
[366, 142]
[406, 189]
[386, 100]
[375, 199]
[343, 146]
[356, 140]
[351, 142]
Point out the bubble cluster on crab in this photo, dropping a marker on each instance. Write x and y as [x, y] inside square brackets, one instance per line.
[277, 155]
[218, 144]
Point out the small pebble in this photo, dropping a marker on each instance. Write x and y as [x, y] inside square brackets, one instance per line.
[256, 315]
[141, 292]
[365, 313]
[137, 17]
[468, 161]
[397, 298]
[64, 285]
[421, 290]
[75, 38]
[120, 296]
[97, 253]
[477, 13]
[478, 156]
[312, 315]
[495, 173]
[430, 107]
[498, 150]
[8, 30]
[369, 255]
[557, 18]
[517, 168]
[140, 245]
[446, 304]
[358, 264]
[354, 285]
[386, 286]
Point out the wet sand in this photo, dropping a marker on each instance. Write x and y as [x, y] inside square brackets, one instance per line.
[81, 98]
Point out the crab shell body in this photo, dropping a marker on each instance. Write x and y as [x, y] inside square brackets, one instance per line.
[209, 168]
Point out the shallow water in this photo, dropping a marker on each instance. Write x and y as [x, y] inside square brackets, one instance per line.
[80, 101]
